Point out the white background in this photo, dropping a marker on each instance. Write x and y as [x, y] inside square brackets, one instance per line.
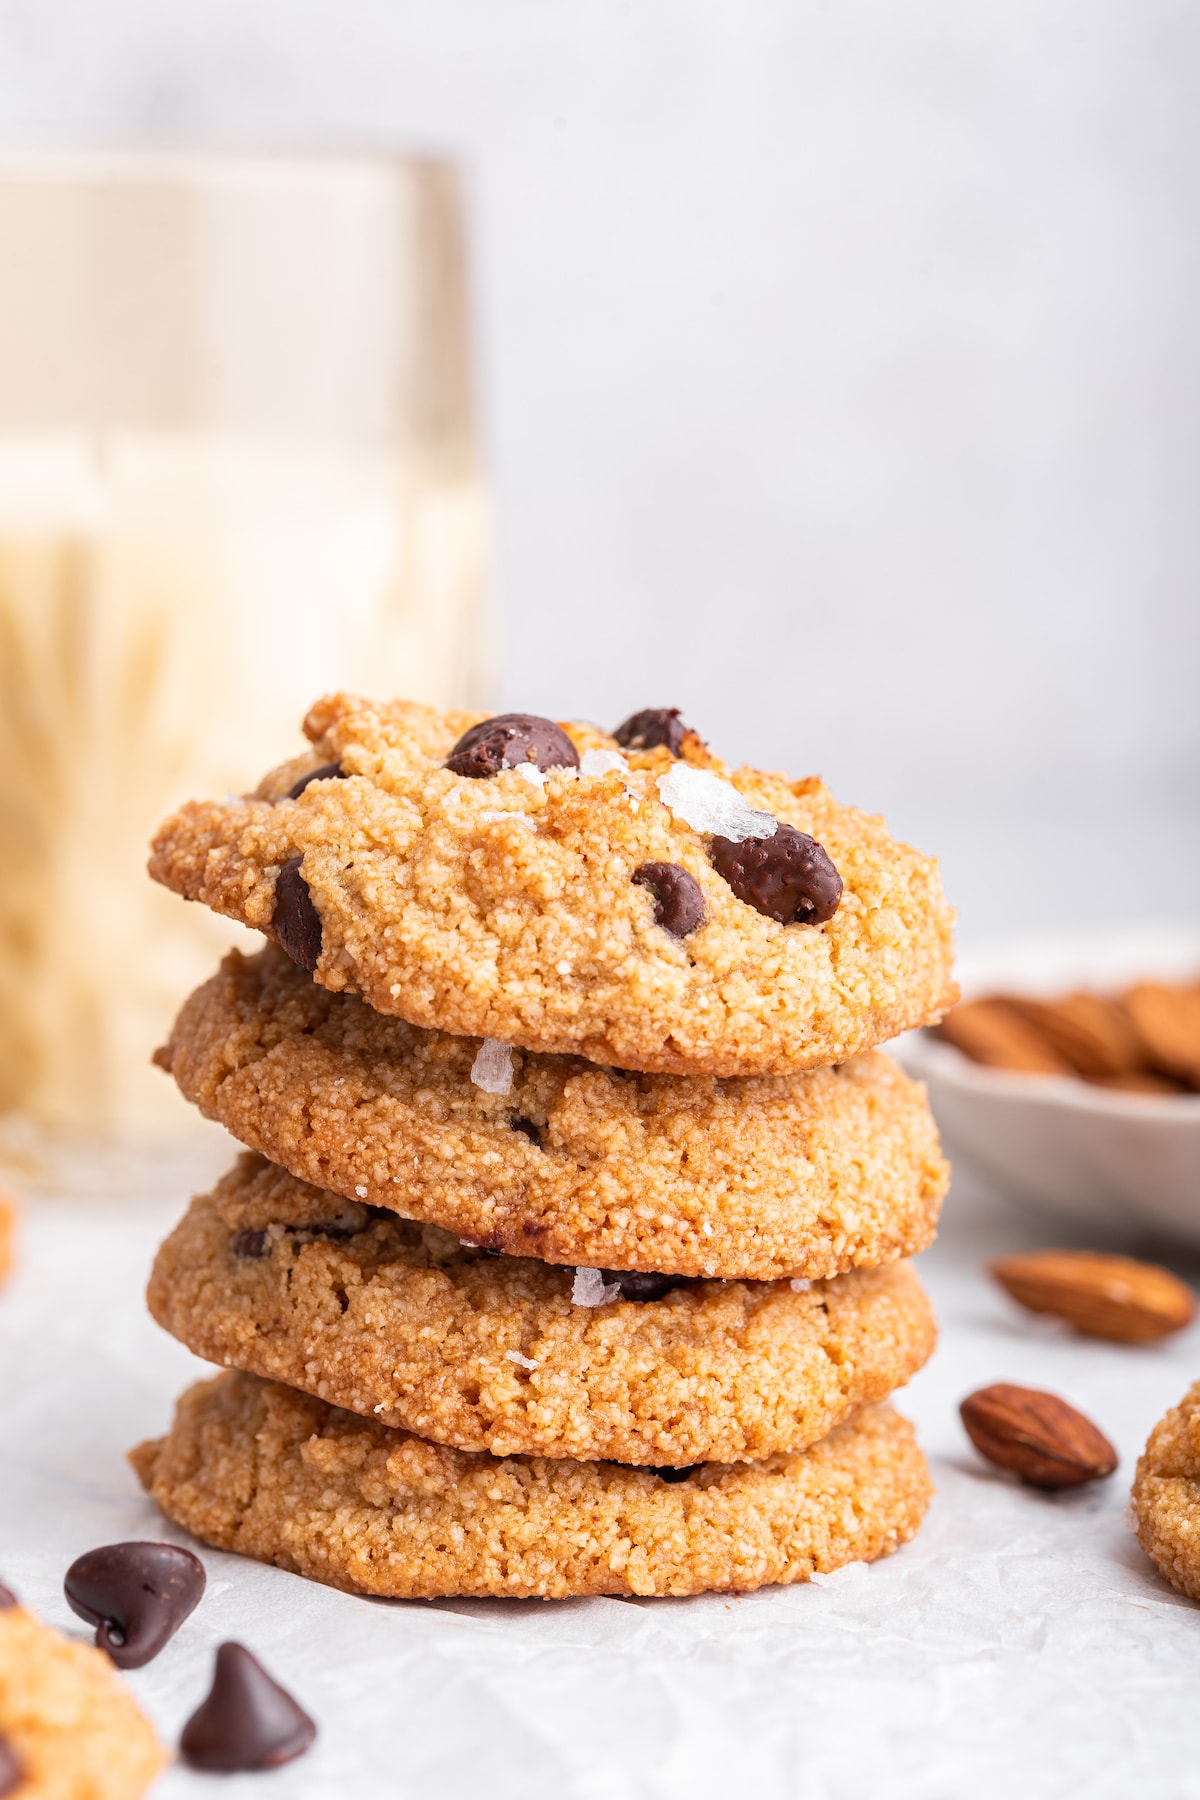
[840, 370]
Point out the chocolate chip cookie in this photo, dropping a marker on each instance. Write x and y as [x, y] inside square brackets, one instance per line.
[69, 1728]
[404, 1323]
[754, 1176]
[539, 885]
[1166, 1495]
[254, 1467]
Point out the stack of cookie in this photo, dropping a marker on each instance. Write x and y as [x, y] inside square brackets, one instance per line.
[567, 1256]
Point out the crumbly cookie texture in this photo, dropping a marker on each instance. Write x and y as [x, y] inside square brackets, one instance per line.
[68, 1719]
[506, 907]
[753, 1176]
[254, 1467]
[1166, 1495]
[404, 1323]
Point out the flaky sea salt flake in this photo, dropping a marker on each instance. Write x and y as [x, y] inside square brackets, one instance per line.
[522, 1362]
[706, 803]
[800, 1284]
[492, 1069]
[602, 762]
[590, 1289]
[533, 775]
[361, 1191]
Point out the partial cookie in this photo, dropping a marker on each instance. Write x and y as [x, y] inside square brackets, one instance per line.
[254, 1467]
[1166, 1495]
[757, 1176]
[404, 1323]
[68, 1724]
[572, 911]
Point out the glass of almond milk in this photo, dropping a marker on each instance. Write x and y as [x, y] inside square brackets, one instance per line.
[238, 468]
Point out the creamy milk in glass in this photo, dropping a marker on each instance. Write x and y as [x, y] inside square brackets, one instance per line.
[232, 478]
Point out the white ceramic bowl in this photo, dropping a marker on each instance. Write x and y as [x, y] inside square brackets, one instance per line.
[1120, 1165]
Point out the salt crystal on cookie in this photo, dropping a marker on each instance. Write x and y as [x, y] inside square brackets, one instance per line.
[708, 804]
[492, 1069]
[591, 1289]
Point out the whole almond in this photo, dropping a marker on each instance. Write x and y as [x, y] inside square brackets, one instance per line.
[1036, 1435]
[1110, 1297]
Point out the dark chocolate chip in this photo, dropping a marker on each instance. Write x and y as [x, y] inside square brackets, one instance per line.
[296, 920]
[532, 1132]
[7, 1598]
[253, 1244]
[333, 1229]
[509, 739]
[12, 1770]
[674, 1475]
[326, 772]
[788, 877]
[678, 901]
[638, 1284]
[646, 730]
[136, 1595]
[247, 1722]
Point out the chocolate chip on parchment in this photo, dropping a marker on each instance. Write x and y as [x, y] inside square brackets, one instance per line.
[644, 1284]
[296, 920]
[7, 1598]
[137, 1596]
[252, 1244]
[678, 900]
[656, 725]
[672, 1475]
[247, 1721]
[509, 739]
[326, 772]
[787, 877]
[12, 1769]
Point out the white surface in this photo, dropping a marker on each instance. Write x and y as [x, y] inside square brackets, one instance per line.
[1022, 1644]
[840, 368]
[1107, 1161]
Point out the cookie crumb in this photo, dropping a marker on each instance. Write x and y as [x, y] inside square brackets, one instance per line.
[707, 803]
[492, 1069]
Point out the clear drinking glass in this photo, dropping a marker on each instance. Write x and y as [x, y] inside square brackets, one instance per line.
[238, 468]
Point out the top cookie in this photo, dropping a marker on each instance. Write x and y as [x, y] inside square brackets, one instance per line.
[628, 907]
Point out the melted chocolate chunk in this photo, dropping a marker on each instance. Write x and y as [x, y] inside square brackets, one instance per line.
[136, 1595]
[326, 772]
[253, 1244]
[788, 877]
[673, 1475]
[678, 900]
[247, 1722]
[638, 1284]
[12, 1770]
[7, 1598]
[296, 920]
[509, 739]
[333, 1229]
[532, 1132]
[646, 730]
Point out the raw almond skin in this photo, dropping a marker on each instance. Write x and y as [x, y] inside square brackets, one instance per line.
[1036, 1435]
[1110, 1297]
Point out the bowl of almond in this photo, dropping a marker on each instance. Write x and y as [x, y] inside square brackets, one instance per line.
[1070, 1076]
